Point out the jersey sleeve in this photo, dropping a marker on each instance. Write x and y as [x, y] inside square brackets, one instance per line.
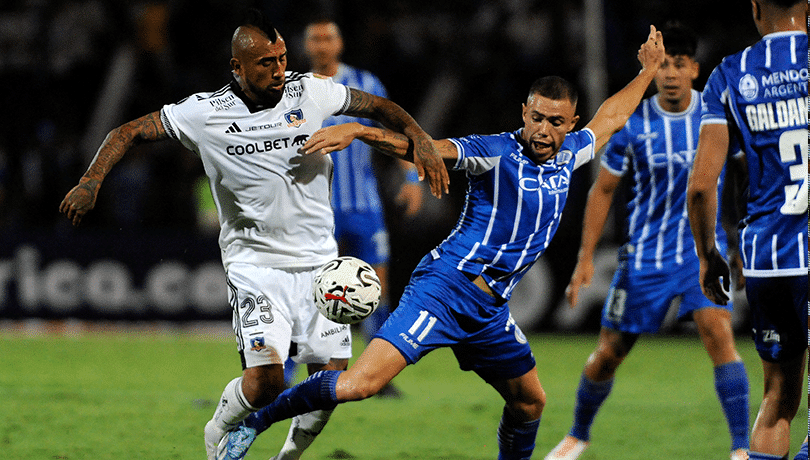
[580, 145]
[332, 97]
[184, 121]
[714, 98]
[475, 154]
[613, 158]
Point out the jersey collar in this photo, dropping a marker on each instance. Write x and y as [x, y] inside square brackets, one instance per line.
[252, 106]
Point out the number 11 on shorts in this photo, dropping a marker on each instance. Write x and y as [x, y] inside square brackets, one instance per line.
[418, 323]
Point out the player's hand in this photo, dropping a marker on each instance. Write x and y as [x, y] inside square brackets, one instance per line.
[581, 278]
[410, 197]
[652, 52]
[80, 200]
[331, 139]
[712, 269]
[429, 164]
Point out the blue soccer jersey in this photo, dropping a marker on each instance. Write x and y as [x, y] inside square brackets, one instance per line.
[354, 186]
[656, 148]
[763, 90]
[513, 205]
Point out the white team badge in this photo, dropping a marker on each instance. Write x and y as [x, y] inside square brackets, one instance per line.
[749, 88]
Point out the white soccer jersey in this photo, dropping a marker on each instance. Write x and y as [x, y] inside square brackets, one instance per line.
[273, 202]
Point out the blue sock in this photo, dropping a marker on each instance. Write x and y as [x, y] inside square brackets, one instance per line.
[761, 456]
[802, 454]
[516, 438]
[314, 393]
[590, 396]
[731, 383]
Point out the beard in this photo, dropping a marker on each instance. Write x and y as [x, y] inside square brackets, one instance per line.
[265, 96]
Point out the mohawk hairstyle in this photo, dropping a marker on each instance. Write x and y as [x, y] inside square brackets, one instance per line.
[254, 17]
[555, 88]
[679, 40]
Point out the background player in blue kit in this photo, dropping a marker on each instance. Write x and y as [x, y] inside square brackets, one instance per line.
[359, 215]
[458, 294]
[759, 96]
[272, 203]
[658, 262]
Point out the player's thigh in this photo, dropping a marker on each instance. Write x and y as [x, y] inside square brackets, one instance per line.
[778, 316]
[262, 319]
[638, 300]
[274, 307]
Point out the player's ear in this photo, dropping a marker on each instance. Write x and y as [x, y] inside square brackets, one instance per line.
[756, 9]
[235, 65]
[573, 124]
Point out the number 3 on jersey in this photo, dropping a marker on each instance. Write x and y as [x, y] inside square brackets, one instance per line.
[795, 194]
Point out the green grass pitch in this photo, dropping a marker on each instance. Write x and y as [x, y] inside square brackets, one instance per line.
[148, 396]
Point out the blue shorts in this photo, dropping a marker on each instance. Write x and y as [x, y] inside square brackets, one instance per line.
[638, 300]
[362, 235]
[778, 316]
[441, 307]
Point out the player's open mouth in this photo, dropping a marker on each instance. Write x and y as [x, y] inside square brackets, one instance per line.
[537, 146]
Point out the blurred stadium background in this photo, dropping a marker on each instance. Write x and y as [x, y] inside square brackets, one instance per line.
[74, 69]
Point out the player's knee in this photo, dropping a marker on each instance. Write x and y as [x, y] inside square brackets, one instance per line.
[355, 386]
[529, 408]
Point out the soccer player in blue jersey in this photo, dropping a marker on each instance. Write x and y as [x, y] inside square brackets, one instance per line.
[657, 263]
[759, 96]
[457, 296]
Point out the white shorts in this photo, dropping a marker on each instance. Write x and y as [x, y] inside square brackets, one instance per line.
[273, 307]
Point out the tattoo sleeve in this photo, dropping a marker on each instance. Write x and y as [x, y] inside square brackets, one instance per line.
[391, 143]
[148, 128]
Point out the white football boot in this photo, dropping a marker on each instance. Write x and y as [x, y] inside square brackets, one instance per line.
[739, 454]
[570, 448]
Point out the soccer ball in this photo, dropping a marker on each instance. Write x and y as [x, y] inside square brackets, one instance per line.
[346, 290]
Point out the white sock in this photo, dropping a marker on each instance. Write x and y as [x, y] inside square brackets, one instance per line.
[233, 407]
[303, 430]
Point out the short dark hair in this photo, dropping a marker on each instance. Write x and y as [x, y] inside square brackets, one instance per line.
[555, 88]
[679, 40]
[254, 17]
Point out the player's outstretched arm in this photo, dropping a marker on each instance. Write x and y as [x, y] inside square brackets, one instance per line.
[82, 198]
[391, 115]
[338, 137]
[596, 212]
[616, 110]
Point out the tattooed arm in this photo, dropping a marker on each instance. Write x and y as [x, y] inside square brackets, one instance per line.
[82, 198]
[394, 117]
[338, 137]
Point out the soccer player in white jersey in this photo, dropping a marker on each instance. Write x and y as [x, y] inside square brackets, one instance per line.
[458, 294]
[759, 96]
[272, 201]
[657, 263]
